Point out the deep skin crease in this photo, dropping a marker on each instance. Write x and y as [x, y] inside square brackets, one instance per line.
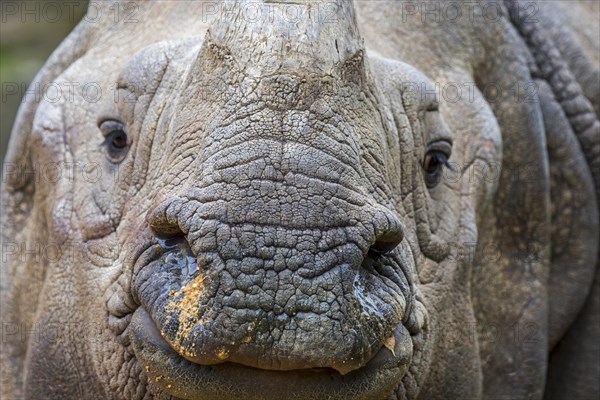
[269, 209]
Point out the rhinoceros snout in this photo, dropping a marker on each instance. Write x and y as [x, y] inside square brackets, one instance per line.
[297, 294]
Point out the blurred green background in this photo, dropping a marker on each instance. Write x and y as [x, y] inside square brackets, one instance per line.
[29, 32]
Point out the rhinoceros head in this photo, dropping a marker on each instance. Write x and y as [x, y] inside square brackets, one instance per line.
[261, 206]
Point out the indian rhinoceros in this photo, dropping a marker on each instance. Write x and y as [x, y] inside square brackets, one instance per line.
[308, 200]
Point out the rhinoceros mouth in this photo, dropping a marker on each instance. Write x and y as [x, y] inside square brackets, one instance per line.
[183, 379]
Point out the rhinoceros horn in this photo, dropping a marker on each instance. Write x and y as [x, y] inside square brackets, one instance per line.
[268, 37]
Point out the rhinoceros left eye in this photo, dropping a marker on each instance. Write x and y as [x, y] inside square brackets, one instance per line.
[116, 142]
[435, 159]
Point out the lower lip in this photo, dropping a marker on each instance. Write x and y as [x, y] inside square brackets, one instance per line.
[185, 380]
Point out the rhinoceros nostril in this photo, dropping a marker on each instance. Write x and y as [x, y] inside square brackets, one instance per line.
[388, 232]
[163, 219]
[386, 242]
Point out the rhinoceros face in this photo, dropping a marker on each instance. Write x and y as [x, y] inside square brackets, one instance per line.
[268, 209]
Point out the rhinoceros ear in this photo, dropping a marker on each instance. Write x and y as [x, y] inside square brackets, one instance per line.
[23, 223]
[71, 49]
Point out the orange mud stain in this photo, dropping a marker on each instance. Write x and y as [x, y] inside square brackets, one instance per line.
[187, 304]
[390, 344]
[223, 354]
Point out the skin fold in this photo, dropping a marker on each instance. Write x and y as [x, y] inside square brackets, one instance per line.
[308, 200]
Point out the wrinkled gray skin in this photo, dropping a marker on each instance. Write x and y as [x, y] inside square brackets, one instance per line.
[268, 232]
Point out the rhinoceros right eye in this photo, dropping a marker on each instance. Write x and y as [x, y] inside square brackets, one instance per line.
[435, 160]
[116, 143]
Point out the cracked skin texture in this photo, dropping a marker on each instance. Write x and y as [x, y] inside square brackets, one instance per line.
[269, 232]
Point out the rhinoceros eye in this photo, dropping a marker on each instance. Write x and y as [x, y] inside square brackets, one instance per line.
[116, 143]
[435, 159]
